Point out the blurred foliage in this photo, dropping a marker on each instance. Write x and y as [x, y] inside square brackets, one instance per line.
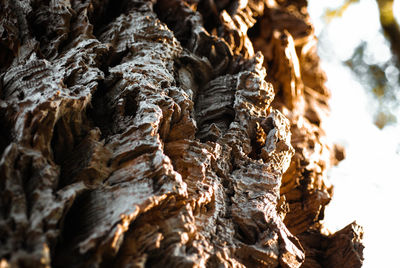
[380, 79]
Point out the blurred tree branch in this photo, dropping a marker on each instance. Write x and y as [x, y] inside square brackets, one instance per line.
[388, 22]
[390, 26]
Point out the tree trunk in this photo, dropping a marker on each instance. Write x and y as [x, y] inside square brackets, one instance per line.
[142, 133]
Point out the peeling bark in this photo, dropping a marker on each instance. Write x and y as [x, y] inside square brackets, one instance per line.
[164, 133]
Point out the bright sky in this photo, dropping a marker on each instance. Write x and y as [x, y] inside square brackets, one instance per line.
[367, 181]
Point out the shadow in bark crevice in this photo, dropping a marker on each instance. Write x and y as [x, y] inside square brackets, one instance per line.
[99, 111]
[6, 57]
[68, 132]
[5, 132]
[111, 11]
[214, 108]
[73, 228]
[188, 27]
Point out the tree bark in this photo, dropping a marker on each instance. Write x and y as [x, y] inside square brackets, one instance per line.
[142, 133]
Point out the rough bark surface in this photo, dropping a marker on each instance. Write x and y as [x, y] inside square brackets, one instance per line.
[146, 134]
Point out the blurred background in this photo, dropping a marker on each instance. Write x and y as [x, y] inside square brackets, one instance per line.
[359, 46]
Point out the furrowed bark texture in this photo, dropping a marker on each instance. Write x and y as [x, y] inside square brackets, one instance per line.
[164, 134]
